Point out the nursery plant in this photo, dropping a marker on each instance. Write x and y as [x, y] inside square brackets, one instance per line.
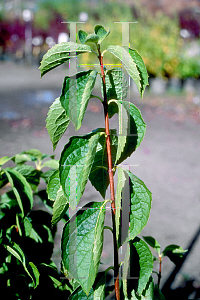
[26, 239]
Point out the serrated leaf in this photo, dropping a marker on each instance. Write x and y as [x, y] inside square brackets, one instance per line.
[153, 243]
[75, 165]
[75, 95]
[141, 68]
[61, 53]
[174, 252]
[82, 35]
[101, 33]
[29, 267]
[21, 189]
[131, 127]
[83, 238]
[56, 122]
[99, 177]
[53, 185]
[60, 206]
[127, 62]
[92, 38]
[118, 204]
[116, 84]
[140, 205]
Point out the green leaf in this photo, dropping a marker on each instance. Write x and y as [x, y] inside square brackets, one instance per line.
[75, 165]
[127, 61]
[136, 279]
[99, 175]
[141, 68]
[61, 53]
[83, 238]
[33, 154]
[52, 163]
[92, 38]
[75, 95]
[101, 33]
[174, 252]
[158, 294]
[153, 243]
[116, 84]
[4, 160]
[140, 198]
[131, 127]
[21, 189]
[31, 174]
[118, 204]
[29, 267]
[60, 206]
[82, 35]
[147, 294]
[53, 185]
[56, 122]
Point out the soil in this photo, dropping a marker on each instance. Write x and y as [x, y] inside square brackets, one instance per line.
[168, 160]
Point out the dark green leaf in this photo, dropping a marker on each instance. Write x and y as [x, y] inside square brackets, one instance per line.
[140, 198]
[3, 179]
[116, 84]
[174, 252]
[153, 243]
[99, 175]
[147, 294]
[21, 189]
[31, 174]
[101, 33]
[83, 238]
[61, 53]
[56, 122]
[75, 165]
[75, 95]
[82, 35]
[158, 294]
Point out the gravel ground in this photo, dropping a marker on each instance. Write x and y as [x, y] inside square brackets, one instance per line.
[167, 161]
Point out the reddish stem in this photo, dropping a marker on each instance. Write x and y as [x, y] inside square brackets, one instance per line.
[111, 179]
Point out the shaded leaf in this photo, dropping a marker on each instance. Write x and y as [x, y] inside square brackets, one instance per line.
[21, 189]
[153, 243]
[56, 122]
[158, 294]
[4, 160]
[31, 174]
[75, 95]
[82, 35]
[140, 198]
[174, 252]
[75, 165]
[147, 294]
[83, 238]
[61, 53]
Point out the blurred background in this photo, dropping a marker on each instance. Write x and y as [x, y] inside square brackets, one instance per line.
[167, 35]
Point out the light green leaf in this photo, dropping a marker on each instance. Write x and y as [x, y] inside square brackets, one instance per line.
[174, 252]
[83, 238]
[101, 33]
[99, 175]
[56, 122]
[53, 185]
[29, 267]
[153, 243]
[116, 84]
[21, 189]
[52, 163]
[140, 198]
[92, 38]
[4, 160]
[118, 204]
[21, 158]
[34, 154]
[61, 53]
[128, 63]
[60, 206]
[75, 165]
[75, 95]
[141, 68]
[82, 35]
